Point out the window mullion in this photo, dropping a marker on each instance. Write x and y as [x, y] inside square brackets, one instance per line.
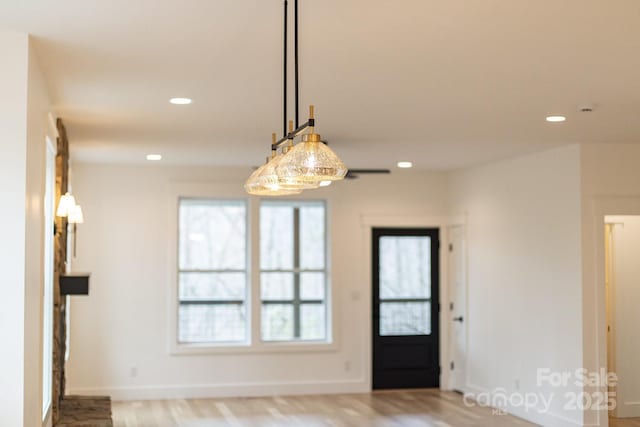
[254, 307]
[211, 302]
[296, 276]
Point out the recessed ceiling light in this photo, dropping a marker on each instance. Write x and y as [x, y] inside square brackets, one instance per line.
[154, 157]
[325, 183]
[556, 119]
[181, 101]
[405, 165]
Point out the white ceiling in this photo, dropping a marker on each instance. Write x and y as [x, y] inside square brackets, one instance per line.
[444, 83]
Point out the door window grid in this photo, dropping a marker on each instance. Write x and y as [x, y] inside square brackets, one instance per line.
[405, 285]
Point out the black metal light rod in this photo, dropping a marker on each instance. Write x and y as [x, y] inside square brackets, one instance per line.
[284, 86]
[295, 50]
[369, 171]
[295, 133]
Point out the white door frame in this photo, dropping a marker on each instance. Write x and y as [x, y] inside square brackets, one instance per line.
[368, 222]
[596, 297]
[465, 311]
[610, 301]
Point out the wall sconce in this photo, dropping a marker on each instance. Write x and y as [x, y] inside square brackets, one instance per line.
[75, 217]
[67, 208]
[67, 202]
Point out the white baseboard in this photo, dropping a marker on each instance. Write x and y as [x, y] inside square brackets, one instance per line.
[628, 409]
[201, 391]
[546, 419]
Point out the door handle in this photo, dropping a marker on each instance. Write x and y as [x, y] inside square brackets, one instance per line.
[458, 319]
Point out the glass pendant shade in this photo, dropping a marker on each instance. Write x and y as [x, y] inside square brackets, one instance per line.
[288, 182]
[270, 178]
[255, 186]
[311, 161]
[66, 204]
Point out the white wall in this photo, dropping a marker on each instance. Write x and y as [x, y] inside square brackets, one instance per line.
[23, 112]
[13, 129]
[123, 322]
[626, 294]
[39, 127]
[524, 274]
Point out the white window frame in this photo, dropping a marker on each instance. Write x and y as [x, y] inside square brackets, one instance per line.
[246, 271]
[181, 190]
[297, 204]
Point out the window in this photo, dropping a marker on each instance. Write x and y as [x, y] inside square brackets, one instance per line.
[212, 271]
[221, 303]
[293, 272]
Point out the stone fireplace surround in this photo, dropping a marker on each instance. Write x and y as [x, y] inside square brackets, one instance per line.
[68, 411]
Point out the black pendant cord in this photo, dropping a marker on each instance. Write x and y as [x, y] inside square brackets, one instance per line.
[299, 128]
[284, 86]
[295, 38]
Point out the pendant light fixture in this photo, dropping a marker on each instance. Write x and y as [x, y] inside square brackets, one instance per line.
[255, 186]
[302, 166]
[269, 178]
[272, 178]
[311, 161]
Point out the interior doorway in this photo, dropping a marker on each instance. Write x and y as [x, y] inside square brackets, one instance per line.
[622, 281]
[405, 308]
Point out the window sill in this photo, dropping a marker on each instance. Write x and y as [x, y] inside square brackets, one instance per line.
[260, 348]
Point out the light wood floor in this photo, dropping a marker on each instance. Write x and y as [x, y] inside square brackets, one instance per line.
[424, 408]
[624, 422]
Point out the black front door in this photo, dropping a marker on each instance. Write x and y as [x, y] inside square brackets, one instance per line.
[405, 308]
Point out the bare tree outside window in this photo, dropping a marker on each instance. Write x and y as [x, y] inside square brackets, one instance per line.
[405, 285]
[212, 271]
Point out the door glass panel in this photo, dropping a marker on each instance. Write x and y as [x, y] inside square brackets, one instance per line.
[405, 267]
[405, 318]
